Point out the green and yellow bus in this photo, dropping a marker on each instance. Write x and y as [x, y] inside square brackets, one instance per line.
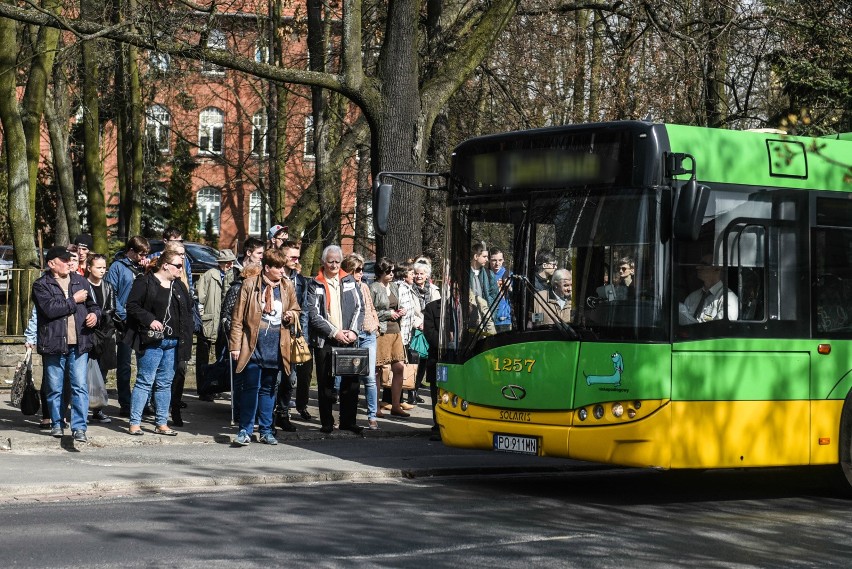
[708, 319]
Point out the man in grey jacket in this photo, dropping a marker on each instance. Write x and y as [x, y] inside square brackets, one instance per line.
[335, 315]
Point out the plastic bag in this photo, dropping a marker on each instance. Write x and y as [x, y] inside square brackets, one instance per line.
[23, 372]
[98, 396]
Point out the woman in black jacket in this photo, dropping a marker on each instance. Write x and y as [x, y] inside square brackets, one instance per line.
[159, 329]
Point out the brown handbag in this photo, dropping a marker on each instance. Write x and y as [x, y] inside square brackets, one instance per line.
[300, 352]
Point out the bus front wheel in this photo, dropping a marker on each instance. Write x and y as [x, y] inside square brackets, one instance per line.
[845, 471]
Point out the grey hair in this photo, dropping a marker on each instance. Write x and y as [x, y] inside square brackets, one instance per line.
[329, 250]
[560, 275]
[426, 268]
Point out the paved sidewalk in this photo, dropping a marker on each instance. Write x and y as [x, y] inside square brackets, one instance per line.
[204, 423]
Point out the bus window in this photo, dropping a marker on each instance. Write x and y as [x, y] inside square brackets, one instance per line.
[832, 258]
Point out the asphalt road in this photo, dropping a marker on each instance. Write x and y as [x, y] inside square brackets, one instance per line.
[580, 518]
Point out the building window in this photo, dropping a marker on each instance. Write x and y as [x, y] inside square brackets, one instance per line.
[158, 123]
[209, 203]
[215, 40]
[309, 138]
[259, 128]
[255, 212]
[211, 123]
[261, 51]
[159, 61]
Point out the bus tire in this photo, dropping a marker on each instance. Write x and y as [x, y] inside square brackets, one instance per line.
[844, 472]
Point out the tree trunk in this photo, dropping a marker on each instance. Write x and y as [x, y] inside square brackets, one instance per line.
[34, 95]
[134, 190]
[56, 117]
[596, 68]
[20, 221]
[91, 139]
[581, 21]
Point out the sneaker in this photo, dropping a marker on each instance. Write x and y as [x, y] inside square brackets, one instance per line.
[56, 432]
[292, 404]
[268, 439]
[80, 437]
[101, 417]
[243, 439]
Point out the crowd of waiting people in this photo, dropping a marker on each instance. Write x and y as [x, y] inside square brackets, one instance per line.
[245, 314]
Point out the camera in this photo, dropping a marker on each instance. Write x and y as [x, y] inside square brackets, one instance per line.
[155, 334]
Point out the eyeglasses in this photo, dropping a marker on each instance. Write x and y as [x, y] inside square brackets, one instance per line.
[623, 269]
[175, 240]
[358, 270]
[175, 266]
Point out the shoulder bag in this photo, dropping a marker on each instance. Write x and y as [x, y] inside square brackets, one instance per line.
[300, 352]
[23, 371]
[30, 400]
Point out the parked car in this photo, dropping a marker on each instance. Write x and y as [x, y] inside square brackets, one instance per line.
[201, 257]
[7, 259]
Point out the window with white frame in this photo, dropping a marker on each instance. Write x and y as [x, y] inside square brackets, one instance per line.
[159, 61]
[211, 124]
[261, 51]
[255, 212]
[215, 40]
[209, 203]
[158, 127]
[259, 129]
[309, 137]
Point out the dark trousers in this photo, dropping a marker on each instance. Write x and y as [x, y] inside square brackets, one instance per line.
[303, 387]
[349, 387]
[177, 384]
[122, 375]
[202, 358]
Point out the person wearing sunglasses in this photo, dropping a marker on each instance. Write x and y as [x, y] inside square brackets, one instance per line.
[160, 328]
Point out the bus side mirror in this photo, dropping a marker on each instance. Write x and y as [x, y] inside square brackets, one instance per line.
[381, 207]
[692, 199]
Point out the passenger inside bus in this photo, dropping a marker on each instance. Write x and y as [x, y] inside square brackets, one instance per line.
[545, 265]
[708, 302]
[553, 305]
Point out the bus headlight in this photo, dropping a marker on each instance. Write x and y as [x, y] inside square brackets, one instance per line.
[617, 410]
[455, 402]
[599, 412]
[445, 398]
[582, 414]
[464, 405]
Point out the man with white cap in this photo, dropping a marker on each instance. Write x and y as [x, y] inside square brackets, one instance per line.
[278, 234]
[211, 288]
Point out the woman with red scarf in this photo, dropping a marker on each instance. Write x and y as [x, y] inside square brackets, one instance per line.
[260, 343]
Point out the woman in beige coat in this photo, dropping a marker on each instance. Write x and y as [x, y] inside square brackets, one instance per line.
[260, 343]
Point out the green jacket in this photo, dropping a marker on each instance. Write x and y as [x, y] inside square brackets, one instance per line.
[211, 292]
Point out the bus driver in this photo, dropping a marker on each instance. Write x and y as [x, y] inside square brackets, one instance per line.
[708, 302]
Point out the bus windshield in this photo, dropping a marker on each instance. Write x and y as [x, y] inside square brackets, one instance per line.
[569, 264]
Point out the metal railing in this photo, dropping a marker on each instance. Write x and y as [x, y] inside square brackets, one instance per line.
[16, 286]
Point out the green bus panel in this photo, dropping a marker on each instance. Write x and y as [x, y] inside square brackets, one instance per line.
[762, 159]
[740, 376]
[542, 371]
[613, 372]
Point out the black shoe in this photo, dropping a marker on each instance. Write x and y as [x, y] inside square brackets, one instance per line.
[303, 413]
[80, 437]
[435, 436]
[177, 420]
[205, 397]
[283, 423]
[183, 404]
[100, 417]
[353, 429]
[326, 429]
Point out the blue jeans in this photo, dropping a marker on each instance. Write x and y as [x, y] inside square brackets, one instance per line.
[155, 370]
[370, 391]
[257, 397]
[55, 366]
[122, 375]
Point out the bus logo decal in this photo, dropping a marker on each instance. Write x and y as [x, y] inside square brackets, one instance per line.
[513, 392]
[614, 378]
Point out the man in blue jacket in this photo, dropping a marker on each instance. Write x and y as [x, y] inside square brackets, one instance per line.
[121, 275]
[66, 315]
[336, 315]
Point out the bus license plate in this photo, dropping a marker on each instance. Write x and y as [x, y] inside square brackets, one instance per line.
[514, 443]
